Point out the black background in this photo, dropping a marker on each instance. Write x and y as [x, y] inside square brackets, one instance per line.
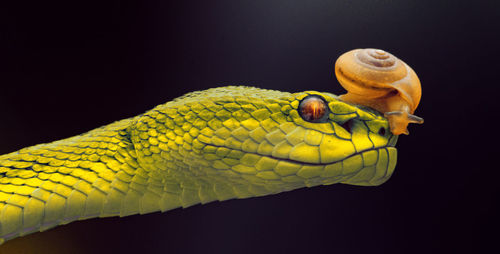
[68, 67]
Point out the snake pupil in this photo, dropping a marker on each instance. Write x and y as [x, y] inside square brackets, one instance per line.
[381, 131]
[313, 109]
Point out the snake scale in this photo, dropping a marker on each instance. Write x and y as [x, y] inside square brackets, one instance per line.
[217, 144]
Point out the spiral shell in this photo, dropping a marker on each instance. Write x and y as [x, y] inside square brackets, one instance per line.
[378, 79]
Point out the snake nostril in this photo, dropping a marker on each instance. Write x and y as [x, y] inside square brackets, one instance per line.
[348, 126]
[381, 131]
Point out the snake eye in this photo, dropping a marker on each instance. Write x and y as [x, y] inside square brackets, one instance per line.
[313, 109]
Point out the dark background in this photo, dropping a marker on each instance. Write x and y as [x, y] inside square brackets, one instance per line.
[68, 67]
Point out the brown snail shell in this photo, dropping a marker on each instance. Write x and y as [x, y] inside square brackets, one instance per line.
[378, 79]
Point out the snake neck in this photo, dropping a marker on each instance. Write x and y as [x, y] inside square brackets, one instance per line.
[96, 174]
[101, 173]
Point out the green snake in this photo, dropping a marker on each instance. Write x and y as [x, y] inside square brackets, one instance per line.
[217, 144]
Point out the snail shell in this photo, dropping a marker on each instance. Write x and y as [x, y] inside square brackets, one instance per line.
[378, 79]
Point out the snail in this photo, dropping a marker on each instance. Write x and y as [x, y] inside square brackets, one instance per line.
[377, 79]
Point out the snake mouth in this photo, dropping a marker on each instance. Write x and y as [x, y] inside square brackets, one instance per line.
[369, 167]
[389, 146]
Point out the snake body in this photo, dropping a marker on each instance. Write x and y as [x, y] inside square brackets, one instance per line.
[217, 144]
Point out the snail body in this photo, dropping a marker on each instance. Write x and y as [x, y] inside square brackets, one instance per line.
[376, 78]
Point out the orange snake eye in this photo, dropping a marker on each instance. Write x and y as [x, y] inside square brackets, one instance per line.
[313, 109]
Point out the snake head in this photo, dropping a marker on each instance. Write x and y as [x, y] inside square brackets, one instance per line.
[246, 141]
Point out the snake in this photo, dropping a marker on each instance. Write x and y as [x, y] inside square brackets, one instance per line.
[212, 145]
